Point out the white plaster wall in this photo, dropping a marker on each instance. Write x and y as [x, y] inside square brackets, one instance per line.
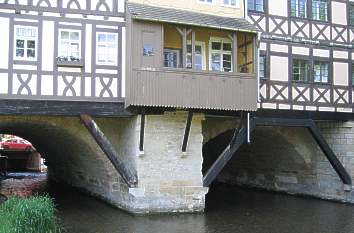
[340, 73]
[300, 50]
[48, 45]
[4, 43]
[320, 53]
[279, 68]
[88, 48]
[279, 48]
[278, 7]
[339, 13]
[340, 54]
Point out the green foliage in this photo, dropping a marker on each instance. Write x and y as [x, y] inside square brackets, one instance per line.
[28, 215]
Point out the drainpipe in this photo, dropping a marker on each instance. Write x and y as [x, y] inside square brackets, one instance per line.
[258, 53]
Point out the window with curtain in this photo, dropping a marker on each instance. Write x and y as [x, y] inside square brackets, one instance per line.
[255, 5]
[25, 43]
[320, 10]
[320, 72]
[300, 70]
[299, 8]
[221, 55]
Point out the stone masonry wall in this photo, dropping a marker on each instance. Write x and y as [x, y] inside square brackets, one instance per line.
[289, 160]
[169, 180]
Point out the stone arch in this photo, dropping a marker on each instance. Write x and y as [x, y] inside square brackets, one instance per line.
[72, 154]
[278, 158]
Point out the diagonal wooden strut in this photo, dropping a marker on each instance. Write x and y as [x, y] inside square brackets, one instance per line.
[239, 137]
[332, 158]
[126, 173]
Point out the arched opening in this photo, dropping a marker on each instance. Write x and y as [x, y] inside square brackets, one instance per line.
[71, 155]
[280, 159]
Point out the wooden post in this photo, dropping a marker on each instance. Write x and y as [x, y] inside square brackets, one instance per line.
[234, 52]
[186, 131]
[184, 48]
[255, 55]
[193, 50]
[126, 173]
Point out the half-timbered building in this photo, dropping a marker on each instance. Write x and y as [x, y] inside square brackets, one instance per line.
[305, 54]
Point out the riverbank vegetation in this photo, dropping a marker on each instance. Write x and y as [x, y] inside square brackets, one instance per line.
[29, 215]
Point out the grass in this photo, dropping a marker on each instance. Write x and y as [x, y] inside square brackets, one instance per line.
[28, 215]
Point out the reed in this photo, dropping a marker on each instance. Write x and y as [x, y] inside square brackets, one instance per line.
[29, 215]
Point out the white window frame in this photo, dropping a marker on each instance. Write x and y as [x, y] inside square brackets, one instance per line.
[202, 44]
[173, 50]
[221, 51]
[59, 40]
[115, 62]
[237, 4]
[25, 58]
[206, 2]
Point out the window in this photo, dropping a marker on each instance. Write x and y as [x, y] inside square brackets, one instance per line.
[25, 43]
[69, 45]
[255, 5]
[199, 56]
[319, 10]
[221, 55]
[351, 20]
[300, 70]
[262, 67]
[298, 8]
[231, 3]
[206, 1]
[171, 58]
[106, 48]
[320, 72]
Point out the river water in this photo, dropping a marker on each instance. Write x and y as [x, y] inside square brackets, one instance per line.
[228, 210]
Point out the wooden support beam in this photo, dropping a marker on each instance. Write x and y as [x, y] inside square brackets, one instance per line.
[255, 55]
[186, 131]
[193, 50]
[142, 132]
[184, 48]
[238, 139]
[332, 158]
[234, 52]
[126, 173]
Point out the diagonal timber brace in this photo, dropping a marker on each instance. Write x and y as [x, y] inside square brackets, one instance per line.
[126, 173]
[239, 137]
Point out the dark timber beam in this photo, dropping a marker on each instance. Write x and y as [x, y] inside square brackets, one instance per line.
[332, 158]
[126, 173]
[186, 131]
[239, 138]
[142, 132]
[316, 134]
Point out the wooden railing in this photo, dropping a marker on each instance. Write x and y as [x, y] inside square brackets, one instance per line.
[183, 88]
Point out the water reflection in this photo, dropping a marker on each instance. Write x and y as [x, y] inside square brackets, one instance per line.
[233, 210]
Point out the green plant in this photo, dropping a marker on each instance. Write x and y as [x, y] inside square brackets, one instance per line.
[28, 215]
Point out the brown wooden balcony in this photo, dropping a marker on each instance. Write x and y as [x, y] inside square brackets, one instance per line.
[181, 88]
[184, 65]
